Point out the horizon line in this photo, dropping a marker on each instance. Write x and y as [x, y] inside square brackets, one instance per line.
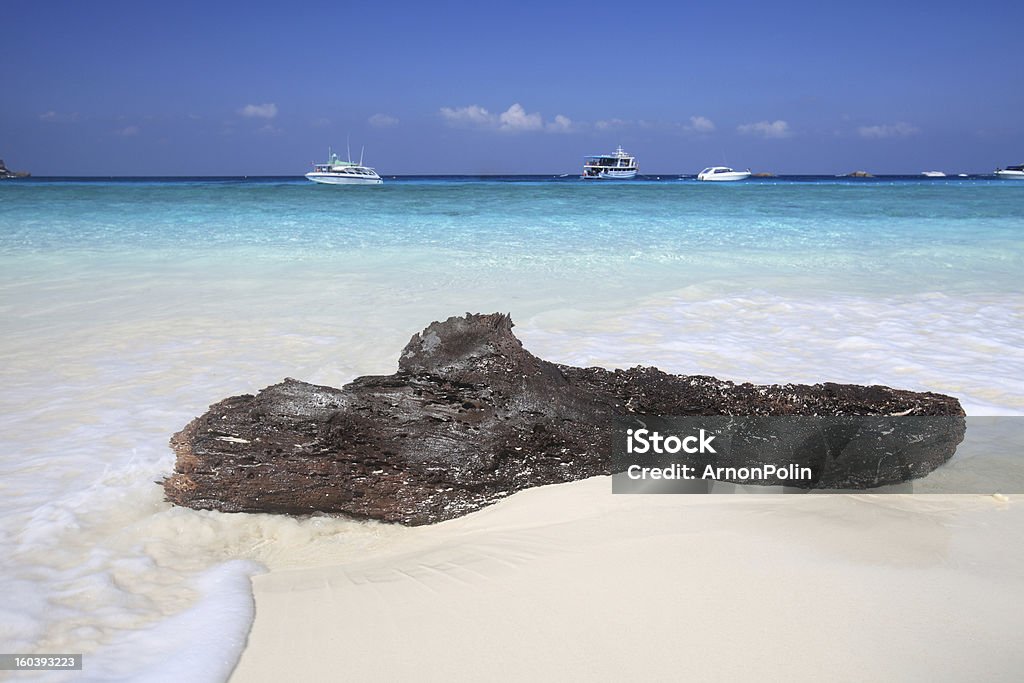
[512, 175]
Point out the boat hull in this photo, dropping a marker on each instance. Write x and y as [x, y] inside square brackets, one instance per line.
[723, 177]
[611, 175]
[1010, 175]
[336, 179]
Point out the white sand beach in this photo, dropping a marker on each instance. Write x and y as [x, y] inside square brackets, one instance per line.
[571, 582]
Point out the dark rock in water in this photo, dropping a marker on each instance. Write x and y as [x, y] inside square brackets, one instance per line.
[470, 417]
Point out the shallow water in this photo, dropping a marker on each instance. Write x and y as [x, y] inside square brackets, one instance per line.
[129, 306]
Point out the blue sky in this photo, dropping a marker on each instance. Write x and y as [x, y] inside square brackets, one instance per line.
[203, 88]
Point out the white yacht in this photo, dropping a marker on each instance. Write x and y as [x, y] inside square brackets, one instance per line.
[722, 174]
[615, 166]
[1011, 172]
[933, 174]
[338, 172]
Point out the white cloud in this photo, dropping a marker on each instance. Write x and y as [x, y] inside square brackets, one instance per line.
[561, 124]
[474, 115]
[515, 119]
[887, 130]
[259, 111]
[766, 129]
[610, 123]
[383, 121]
[701, 124]
[128, 131]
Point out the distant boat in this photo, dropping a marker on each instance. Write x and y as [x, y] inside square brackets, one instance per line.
[6, 174]
[1011, 172]
[722, 174]
[615, 166]
[933, 174]
[338, 172]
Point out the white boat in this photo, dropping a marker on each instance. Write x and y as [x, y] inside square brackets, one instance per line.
[933, 174]
[1011, 172]
[722, 174]
[338, 172]
[615, 166]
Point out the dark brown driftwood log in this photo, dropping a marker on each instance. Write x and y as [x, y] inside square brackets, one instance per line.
[470, 417]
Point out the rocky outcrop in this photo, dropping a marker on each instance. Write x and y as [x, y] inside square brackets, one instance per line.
[470, 417]
[859, 174]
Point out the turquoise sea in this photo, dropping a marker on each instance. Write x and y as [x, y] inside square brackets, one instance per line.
[129, 305]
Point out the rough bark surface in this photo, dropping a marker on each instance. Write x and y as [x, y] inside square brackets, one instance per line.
[471, 417]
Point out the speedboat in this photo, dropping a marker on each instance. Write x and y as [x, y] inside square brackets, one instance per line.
[615, 166]
[338, 172]
[933, 174]
[722, 174]
[1011, 172]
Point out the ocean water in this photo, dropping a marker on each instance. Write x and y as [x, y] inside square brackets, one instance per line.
[127, 306]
